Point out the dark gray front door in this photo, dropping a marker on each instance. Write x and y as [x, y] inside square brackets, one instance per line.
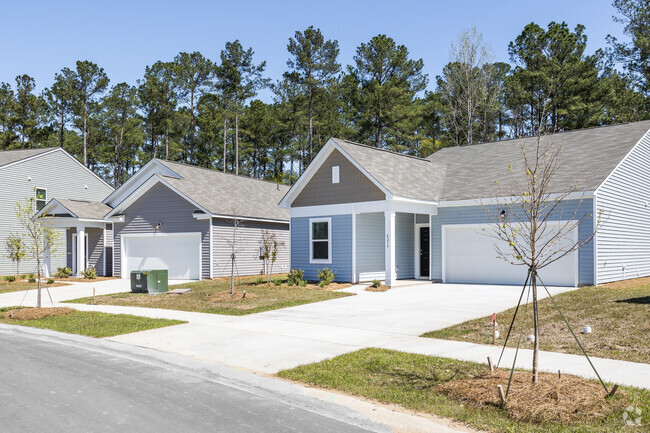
[424, 251]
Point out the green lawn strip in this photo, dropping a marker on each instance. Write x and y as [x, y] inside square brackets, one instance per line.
[260, 296]
[6, 287]
[410, 381]
[93, 324]
[618, 317]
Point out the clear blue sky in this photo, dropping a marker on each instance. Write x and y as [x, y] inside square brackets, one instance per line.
[40, 38]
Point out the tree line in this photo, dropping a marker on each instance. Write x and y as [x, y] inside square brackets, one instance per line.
[204, 111]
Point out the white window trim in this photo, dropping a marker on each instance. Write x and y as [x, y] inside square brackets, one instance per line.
[336, 178]
[36, 200]
[327, 261]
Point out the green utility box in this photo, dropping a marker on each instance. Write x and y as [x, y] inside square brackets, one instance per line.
[153, 281]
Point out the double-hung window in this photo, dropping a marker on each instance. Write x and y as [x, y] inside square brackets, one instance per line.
[40, 195]
[320, 240]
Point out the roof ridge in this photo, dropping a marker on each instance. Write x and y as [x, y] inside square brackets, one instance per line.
[577, 130]
[211, 170]
[382, 149]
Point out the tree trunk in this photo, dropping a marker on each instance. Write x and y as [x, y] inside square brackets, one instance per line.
[225, 146]
[38, 283]
[310, 126]
[62, 130]
[166, 139]
[85, 135]
[237, 139]
[536, 330]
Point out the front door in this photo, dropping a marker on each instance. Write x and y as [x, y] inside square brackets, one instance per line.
[424, 252]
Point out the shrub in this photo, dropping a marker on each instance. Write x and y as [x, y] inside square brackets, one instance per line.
[326, 276]
[295, 277]
[50, 281]
[23, 277]
[302, 283]
[32, 279]
[10, 278]
[260, 281]
[64, 272]
[277, 281]
[90, 273]
[375, 283]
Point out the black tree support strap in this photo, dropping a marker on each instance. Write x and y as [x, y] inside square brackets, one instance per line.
[521, 334]
[572, 333]
[514, 317]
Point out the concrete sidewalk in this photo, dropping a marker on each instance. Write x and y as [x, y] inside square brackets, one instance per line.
[76, 288]
[282, 339]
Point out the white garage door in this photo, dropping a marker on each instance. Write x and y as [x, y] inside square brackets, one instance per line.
[469, 257]
[179, 253]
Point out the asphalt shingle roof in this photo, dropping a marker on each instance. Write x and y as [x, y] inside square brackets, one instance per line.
[587, 157]
[224, 193]
[86, 209]
[9, 156]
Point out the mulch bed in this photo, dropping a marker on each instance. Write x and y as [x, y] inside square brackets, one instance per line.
[568, 399]
[381, 288]
[35, 313]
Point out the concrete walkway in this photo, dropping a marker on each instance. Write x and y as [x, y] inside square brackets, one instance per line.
[281, 339]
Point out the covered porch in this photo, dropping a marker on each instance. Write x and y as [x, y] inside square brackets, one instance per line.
[391, 245]
[88, 236]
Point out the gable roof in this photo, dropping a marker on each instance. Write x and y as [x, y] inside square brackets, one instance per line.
[11, 156]
[587, 157]
[402, 175]
[83, 209]
[223, 193]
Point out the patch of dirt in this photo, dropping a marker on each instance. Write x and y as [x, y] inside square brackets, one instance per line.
[381, 288]
[35, 313]
[568, 399]
[331, 286]
[225, 296]
[628, 284]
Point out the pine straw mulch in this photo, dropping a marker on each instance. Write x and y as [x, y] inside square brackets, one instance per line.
[381, 288]
[35, 313]
[568, 399]
[628, 284]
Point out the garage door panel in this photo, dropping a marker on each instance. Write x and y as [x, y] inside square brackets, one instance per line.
[470, 257]
[179, 254]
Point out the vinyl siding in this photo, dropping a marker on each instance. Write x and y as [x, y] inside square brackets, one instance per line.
[341, 247]
[404, 245]
[57, 172]
[422, 219]
[160, 204]
[353, 186]
[623, 240]
[476, 215]
[371, 252]
[249, 234]
[95, 249]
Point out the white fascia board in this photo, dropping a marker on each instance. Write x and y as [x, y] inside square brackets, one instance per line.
[611, 173]
[501, 200]
[146, 186]
[140, 177]
[364, 207]
[51, 205]
[320, 159]
[74, 222]
[230, 217]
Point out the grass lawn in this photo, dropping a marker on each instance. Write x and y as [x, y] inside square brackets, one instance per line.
[17, 286]
[213, 296]
[92, 324]
[618, 314]
[411, 380]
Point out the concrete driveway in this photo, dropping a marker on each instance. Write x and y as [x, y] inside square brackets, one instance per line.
[281, 339]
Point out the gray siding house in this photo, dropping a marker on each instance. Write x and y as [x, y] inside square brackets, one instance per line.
[176, 217]
[368, 213]
[42, 175]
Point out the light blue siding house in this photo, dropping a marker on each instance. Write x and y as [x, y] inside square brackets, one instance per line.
[368, 213]
[176, 217]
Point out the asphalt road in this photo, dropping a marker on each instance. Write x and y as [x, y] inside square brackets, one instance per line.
[51, 382]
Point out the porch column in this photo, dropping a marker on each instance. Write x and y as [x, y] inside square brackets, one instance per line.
[389, 221]
[81, 250]
[46, 262]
